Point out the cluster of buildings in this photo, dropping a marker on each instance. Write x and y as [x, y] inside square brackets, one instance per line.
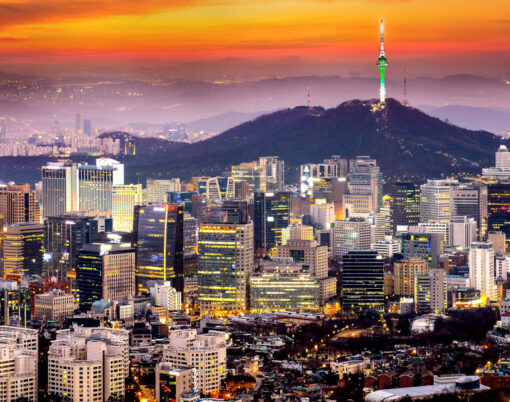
[85, 247]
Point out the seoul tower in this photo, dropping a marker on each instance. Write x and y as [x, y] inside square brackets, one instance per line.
[382, 64]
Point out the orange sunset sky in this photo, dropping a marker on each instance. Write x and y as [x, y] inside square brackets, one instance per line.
[50, 31]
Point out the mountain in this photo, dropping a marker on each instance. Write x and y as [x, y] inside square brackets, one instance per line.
[495, 120]
[405, 141]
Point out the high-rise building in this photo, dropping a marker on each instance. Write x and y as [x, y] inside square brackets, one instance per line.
[331, 190]
[462, 231]
[405, 272]
[498, 205]
[3, 129]
[363, 280]
[274, 172]
[157, 190]
[45, 285]
[284, 285]
[252, 173]
[502, 169]
[87, 127]
[173, 382]
[89, 364]
[59, 188]
[308, 253]
[164, 295]
[105, 271]
[64, 236]
[124, 199]
[481, 270]
[297, 231]
[14, 304]
[351, 235]
[498, 240]
[225, 253]
[470, 200]
[365, 178]
[430, 294]
[77, 124]
[17, 204]
[322, 215]
[215, 188]
[314, 172]
[205, 353]
[436, 200]
[387, 247]
[405, 205]
[56, 305]
[271, 215]
[159, 242]
[428, 246]
[23, 249]
[95, 188]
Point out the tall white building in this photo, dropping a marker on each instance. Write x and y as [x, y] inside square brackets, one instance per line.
[462, 231]
[165, 295]
[435, 200]
[481, 269]
[124, 199]
[351, 235]
[118, 169]
[430, 293]
[157, 189]
[206, 353]
[323, 215]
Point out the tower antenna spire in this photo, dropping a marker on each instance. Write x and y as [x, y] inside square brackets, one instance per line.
[308, 98]
[405, 102]
[382, 64]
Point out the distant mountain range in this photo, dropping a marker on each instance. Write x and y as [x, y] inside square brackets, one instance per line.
[406, 142]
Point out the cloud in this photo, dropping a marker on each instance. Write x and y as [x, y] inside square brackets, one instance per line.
[40, 11]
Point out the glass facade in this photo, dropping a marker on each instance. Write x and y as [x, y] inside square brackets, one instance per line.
[271, 215]
[89, 278]
[160, 244]
[498, 202]
[405, 205]
[95, 188]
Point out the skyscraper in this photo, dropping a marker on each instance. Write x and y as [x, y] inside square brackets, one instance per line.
[225, 249]
[365, 178]
[481, 270]
[105, 271]
[95, 188]
[405, 272]
[64, 236]
[215, 188]
[430, 293]
[436, 200]
[157, 190]
[60, 188]
[17, 204]
[271, 215]
[363, 280]
[498, 202]
[159, 244]
[351, 235]
[87, 127]
[428, 246]
[124, 199]
[23, 249]
[405, 205]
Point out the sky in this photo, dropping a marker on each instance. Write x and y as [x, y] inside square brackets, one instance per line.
[436, 36]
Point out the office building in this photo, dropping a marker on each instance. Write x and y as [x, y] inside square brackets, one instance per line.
[56, 305]
[284, 285]
[363, 280]
[462, 231]
[404, 205]
[297, 231]
[95, 186]
[45, 285]
[164, 295]
[481, 270]
[105, 271]
[428, 246]
[271, 215]
[252, 173]
[430, 294]
[308, 253]
[274, 172]
[59, 188]
[323, 215]
[502, 169]
[159, 242]
[157, 189]
[14, 304]
[172, 383]
[331, 190]
[387, 247]
[498, 240]
[436, 200]
[441, 228]
[124, 199]
[351, 235]
[64, 236]
[470, 200]
[205, 353]
[358, 205]
[17, 204]
[23, 249]
[365, 178]
[405, 272]
[314, 172]
[88, 364]
[215, 188]
[498, 205]
[226, 255]
[190, 234]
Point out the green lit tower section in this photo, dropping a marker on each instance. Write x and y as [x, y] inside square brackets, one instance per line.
[382, 64]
